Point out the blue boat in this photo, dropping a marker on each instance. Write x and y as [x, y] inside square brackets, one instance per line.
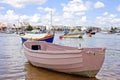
[48, 37]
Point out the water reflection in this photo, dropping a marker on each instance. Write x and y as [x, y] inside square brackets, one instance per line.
[11, 60]
[35, 73]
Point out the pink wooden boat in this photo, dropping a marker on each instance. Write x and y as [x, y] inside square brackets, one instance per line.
[85, 61]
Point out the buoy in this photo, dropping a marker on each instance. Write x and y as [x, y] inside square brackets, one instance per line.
[60, 37]
[89, 35]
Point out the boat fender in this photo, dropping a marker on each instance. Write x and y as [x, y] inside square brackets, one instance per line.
[89, 35]
[36, 47]
[60, 37]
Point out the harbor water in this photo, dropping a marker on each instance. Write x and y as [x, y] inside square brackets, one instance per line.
[14, 65]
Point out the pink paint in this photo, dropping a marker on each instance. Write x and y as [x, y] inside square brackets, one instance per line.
[63, 58]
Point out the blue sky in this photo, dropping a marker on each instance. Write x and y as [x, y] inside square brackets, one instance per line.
[100, 13]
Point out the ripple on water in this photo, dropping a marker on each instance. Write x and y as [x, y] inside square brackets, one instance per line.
[13, 64]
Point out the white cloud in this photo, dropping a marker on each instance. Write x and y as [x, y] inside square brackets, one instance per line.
[105, 14]
[10, 17]
[67, 15]
[35, 18]
[22, 3]
[88, 4]
[84, 18]
[2, 8]
[118, 8]
[108, 19]
[13, 18]
[47, 9]
[23, 17]
[99, 4]
[74, 7]
[40, 8]
[73, 14]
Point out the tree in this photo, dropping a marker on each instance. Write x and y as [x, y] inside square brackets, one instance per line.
[29, 28]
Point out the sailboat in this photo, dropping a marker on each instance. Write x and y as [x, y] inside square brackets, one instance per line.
[37, 35]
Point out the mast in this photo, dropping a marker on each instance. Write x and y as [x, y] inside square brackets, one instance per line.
[51, 19]
[51, 24]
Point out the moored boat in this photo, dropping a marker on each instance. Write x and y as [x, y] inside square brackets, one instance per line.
[85, 61]
[36, 36]
[74, 34]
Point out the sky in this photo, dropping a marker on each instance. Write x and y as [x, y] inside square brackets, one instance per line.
[98, 13]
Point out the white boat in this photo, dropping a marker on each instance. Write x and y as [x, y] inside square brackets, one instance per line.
[85, 61]
[74, 34]
[37, 36]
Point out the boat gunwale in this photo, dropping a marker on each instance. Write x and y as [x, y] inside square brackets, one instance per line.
[54, 52]
[64, 51]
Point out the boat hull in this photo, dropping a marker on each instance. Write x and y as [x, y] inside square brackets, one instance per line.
[85, 62]
[48, 38]
[72, 36]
